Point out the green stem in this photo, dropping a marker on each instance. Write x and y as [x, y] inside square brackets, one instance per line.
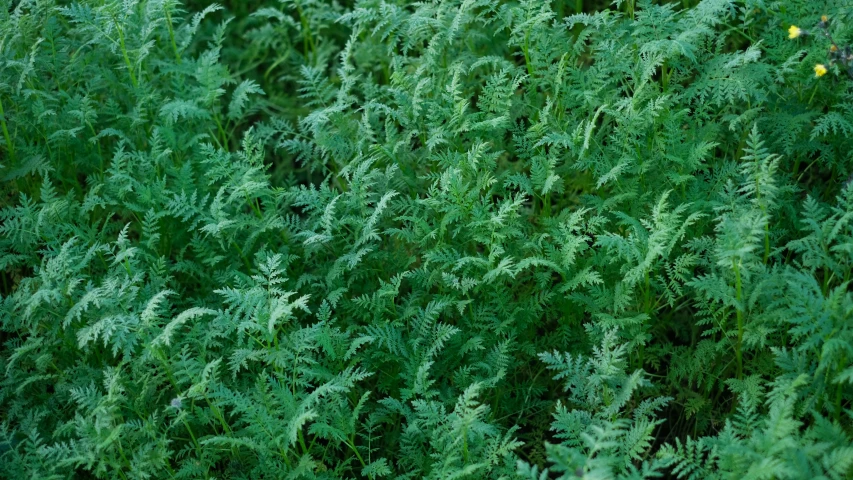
[308, 38]
[275, 64]
[161, 355]
[766, 243]
[739, 296]
[283, 454]
[351, 445]
[172, 36]
[526, 48]
[302, 443]
[465, 444]
[223, 136]
[124, 54]
[813, 92]
[123, 457]
[218, 415]
[9, 146]
[192, 436]
[838, 392]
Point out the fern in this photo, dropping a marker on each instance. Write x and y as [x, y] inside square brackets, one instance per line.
[439, 239]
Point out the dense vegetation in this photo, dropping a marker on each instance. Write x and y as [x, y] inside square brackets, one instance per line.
[440, 239]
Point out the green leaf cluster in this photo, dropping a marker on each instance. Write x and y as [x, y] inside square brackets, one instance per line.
[446, 239]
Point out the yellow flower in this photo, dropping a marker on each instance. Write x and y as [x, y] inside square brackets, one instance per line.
[794, 31]
[824, 18]
[819, 70]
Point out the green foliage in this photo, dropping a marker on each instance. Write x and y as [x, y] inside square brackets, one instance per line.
[439, 239]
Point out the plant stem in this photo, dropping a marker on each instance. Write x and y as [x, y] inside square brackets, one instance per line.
[308, 38]
[526, 55]
[813, 92]
[124, 54]
[302, 442]
[9, 146]
[739, 297]
[218, 415]
[351, 445]
[172, 36]
[838, 392]
[223, 136]
[766, 243]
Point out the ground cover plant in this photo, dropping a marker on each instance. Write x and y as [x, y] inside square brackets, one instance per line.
[305, 239]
